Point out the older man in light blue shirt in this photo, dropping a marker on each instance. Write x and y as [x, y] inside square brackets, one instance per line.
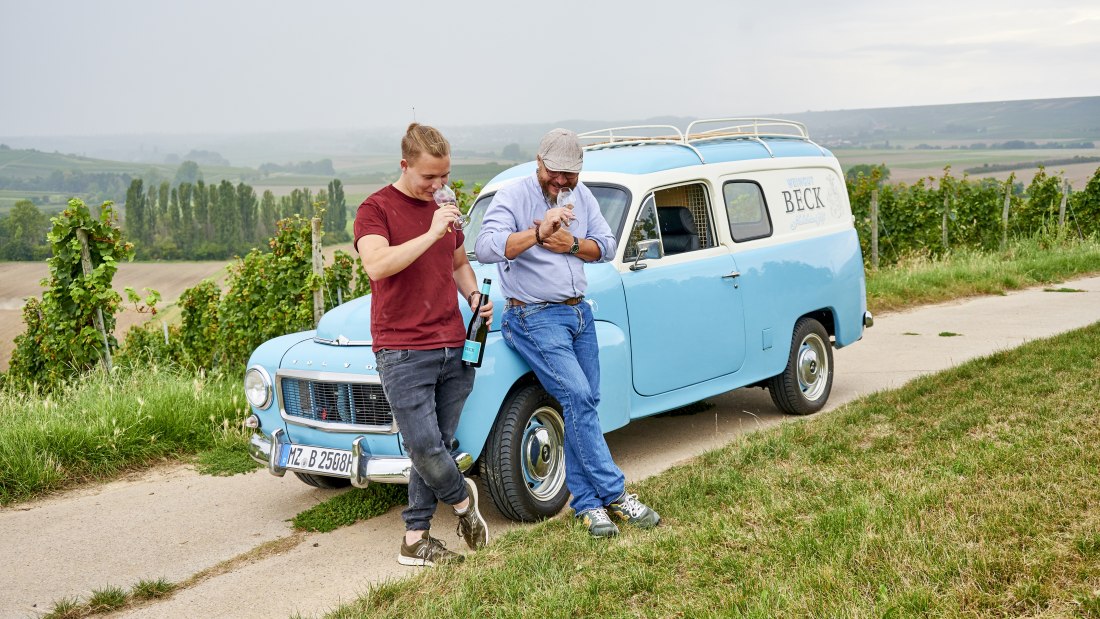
[530, 271]
[540, 250]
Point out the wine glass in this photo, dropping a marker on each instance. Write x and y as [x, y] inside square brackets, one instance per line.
[565, 200]
[445, 196]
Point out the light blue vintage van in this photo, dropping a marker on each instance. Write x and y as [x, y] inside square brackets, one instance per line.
[737, 266]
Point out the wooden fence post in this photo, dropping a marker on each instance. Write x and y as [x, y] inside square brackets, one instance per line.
[86, 265]
[1004, 216]
[1062, 206]
[874, 228]
[318, 270]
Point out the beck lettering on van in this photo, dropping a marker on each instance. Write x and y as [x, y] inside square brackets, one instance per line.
[805, 199]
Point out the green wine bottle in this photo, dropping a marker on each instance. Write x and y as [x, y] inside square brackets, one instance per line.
[476, 332]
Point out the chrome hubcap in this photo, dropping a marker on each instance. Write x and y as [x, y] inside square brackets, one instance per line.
[544, 453]
[813, 366]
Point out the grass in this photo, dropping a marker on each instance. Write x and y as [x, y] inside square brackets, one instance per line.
[350, 507]
[1032, 262]
[66, 608]
[966, 493]
[104, 425]
[152, 589]
[229, 455]
[111, 598]
[107, 599]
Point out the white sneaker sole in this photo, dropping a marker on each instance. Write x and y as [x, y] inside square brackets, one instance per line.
[413, 561]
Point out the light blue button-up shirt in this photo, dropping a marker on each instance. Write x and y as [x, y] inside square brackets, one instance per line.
[539, 274]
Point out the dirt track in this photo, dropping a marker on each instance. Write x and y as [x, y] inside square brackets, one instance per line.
[173, 523]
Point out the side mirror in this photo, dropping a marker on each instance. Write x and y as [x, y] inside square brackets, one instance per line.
[650, 248]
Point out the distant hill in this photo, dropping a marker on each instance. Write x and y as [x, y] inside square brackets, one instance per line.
[1074, 118]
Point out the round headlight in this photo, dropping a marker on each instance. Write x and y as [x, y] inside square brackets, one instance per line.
[257, 387]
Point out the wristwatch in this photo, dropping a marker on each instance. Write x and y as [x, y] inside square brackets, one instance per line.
[576, 246]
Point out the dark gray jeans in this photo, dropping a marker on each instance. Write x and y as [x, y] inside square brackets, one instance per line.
[426, 390]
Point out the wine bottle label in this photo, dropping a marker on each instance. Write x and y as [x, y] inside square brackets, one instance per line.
[471, 351]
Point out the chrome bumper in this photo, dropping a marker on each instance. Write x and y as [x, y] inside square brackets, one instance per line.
[365, 468]
[868, 319]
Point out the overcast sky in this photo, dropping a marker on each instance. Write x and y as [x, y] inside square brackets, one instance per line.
[232, 66]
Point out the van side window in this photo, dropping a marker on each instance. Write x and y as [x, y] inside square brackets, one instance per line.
[645, 228]
[747, 211]
[683, 213]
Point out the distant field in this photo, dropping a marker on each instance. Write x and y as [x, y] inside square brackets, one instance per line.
[55, 202]
[33, 163]
[19, 280]
[908, 166]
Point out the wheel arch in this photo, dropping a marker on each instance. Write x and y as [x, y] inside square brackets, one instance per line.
[825, 316]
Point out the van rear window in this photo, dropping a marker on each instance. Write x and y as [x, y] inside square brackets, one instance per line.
[747, 211]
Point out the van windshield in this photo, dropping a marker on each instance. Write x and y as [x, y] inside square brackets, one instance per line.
[613, 200]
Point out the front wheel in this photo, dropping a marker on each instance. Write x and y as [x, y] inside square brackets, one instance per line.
[323, 481]
[524, 467]
[804, 385]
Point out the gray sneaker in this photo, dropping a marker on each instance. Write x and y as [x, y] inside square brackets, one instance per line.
[471, 526]
[599, 525]
[427, 551]
[630, 510]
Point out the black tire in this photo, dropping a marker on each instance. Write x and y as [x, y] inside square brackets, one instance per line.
[524, 462]
[324, 481]
[804, 385]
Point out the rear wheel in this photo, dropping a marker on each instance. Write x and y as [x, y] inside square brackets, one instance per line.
[324, 481]
[804, 385]
[524, 461]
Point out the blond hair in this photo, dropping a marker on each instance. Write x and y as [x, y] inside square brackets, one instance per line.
[420, 139]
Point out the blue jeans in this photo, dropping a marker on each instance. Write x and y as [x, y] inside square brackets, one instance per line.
[559, 343]
[426, 390]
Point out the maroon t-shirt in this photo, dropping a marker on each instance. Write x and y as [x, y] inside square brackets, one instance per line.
[416, 308]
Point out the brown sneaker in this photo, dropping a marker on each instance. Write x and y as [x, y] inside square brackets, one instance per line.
[471, 526]
[427, 551]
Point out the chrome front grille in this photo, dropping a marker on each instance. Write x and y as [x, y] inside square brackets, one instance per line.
[323, 402]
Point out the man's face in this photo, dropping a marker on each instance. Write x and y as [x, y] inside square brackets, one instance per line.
[426, 174]
[552, 182]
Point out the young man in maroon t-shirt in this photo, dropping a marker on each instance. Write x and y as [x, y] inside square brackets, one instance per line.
[418, 267]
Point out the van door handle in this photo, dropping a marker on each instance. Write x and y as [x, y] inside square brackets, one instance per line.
[734, 275]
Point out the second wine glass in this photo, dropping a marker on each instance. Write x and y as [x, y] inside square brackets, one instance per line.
[445, 196]
[565, 200]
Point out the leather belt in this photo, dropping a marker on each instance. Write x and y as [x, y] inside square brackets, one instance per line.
[569, 301]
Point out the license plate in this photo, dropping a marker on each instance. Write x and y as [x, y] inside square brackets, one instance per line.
[316, 459]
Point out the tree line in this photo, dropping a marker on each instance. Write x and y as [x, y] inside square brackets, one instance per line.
[189, 221]
[95, 185]
[211, 222]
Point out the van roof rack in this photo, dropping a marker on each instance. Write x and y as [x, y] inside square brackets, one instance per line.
[753, 129]
[634, 135]
[749, 129]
